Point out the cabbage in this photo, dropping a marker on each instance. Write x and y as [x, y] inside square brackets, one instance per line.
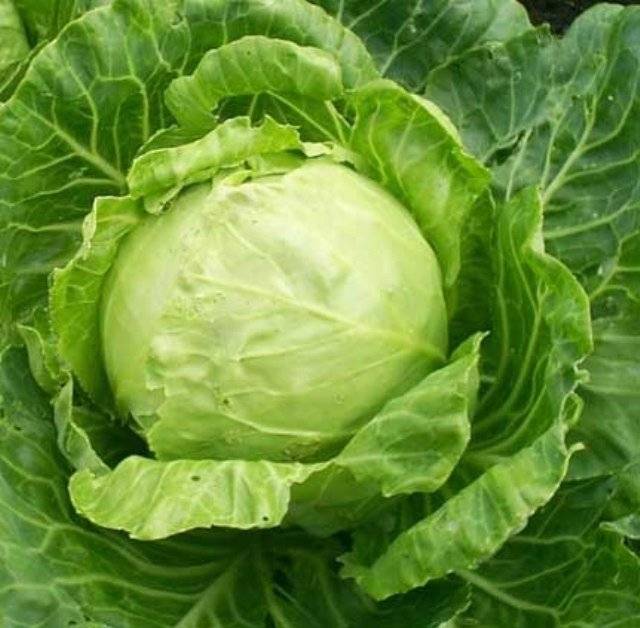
[318, 314]
[270, 318]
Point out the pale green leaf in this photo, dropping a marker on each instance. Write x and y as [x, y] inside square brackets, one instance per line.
[75, 295]
[409, 149]
[416, 440]
[43, 358]
[74, 442]
[470, 526]
[252, 65]
[13, 42]
[541, 334]
[228, 145]
[179, 495]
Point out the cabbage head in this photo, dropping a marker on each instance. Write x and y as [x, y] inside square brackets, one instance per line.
[270, 318]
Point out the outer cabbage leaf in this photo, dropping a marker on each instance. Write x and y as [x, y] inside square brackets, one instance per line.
[429, 421]
[25, 27]
[13, 41]
[409, 147]
[249, 66]
[58, 570]
[43, 357]
[563, 570]
[59, 149]
[576, 133]
[500, 481]
[610, 426]
[409, 39]
[493, 116]
[217, 22]
[541, 334]
[180, 495]
[77, 288]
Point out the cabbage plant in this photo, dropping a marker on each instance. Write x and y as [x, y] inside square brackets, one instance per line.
[318, 314]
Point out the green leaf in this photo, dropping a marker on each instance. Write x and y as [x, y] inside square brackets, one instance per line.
[408, 146]
[415, 441]
[471, 299]
[13, 42]
[564, 113]
[623, 511]
[494, 115]
[26, 27]
[180, 495]
[583, 158]
[43, 358]
[611, 393]
[409, 39]
[44, 19]
[235, 599]
[74, 442]
[411, 445]
[610, 426]
[342, 605]
[76, 290]
[248, 66]
[561, 114]
[470, 526]
[316, 120]
[70, 131]
[217, 22]
[561, 571]
[541, 334]
[228, 145]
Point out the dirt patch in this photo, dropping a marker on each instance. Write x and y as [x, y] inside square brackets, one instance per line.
[561, 13]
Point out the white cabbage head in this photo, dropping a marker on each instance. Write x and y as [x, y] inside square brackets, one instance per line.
[273, 317]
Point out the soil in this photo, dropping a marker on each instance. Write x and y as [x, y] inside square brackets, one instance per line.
[561, 13]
